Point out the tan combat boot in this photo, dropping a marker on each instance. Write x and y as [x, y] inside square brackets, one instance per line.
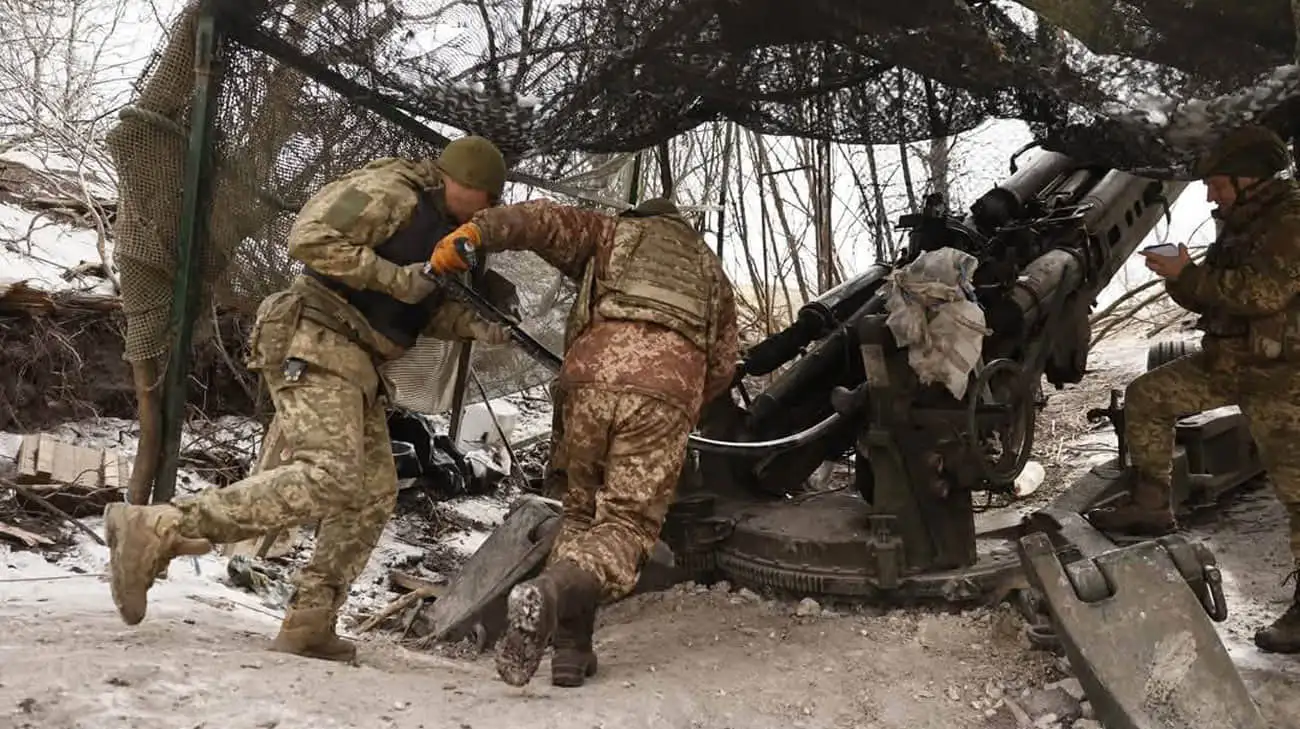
[533, 612]
[1148, 513]
[574, 660]
[1283, 636]
[309, 632]
[141, 541]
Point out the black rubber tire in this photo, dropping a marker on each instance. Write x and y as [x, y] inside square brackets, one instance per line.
[1169, 350]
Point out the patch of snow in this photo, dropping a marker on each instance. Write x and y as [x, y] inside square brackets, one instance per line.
[41, 252]
[483, 509]
[79, 577]
[205, 578]
[70, 175]
[370, 590]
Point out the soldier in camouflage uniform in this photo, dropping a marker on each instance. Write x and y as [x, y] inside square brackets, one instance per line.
[362, 301]
[1247, 293]
[651, 337]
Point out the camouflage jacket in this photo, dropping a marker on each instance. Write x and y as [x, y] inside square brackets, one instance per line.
[1247, 287]
[389, 188]
[636, 356]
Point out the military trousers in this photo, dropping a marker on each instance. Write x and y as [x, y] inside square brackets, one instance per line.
[1268, 395]
[619, 461]
[336, 468]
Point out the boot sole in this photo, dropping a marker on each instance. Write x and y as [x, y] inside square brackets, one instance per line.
[344, 656]
[120, 568]
[525, 640]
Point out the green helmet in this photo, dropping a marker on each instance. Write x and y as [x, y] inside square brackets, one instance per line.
[1251, 151]
[474, 162]
[653, 206]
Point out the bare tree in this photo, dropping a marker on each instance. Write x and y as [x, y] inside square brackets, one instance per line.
[65, 68]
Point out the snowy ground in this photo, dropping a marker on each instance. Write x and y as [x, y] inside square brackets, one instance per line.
[39, 249]
[684, 658]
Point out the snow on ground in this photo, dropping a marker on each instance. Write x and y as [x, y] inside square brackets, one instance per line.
[682, 658]
[72, 177]
[42, 252]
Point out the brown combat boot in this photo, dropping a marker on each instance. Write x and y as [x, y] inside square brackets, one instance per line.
[1148, 513]
[1283, 636]
[533, 611]
[141, 541]
[309, 632]
[574, 660]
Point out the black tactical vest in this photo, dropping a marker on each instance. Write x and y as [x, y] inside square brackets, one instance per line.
[412, 243]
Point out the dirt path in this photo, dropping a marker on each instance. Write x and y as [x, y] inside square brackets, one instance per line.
[686, 658]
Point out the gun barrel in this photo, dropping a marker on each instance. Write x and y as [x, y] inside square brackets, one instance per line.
[815, 319]
[1006, 202]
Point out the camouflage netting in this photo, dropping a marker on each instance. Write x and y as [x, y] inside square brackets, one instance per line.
[313, 89]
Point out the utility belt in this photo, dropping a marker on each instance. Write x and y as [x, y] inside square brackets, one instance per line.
[329, 321]
[1263, 340]
[336, 320]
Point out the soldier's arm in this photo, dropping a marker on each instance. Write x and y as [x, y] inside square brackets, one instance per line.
[1264, 284]
[456, 320]
[723, 357]
[562, 235]
[337, 230]
[1177, 290]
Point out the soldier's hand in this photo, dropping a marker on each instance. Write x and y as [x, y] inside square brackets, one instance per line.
[416, 286]
[1170, 267]
[447, 256]
[489, 333]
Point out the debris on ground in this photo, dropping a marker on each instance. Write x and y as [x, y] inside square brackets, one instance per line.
[78, 481]
[718, 655]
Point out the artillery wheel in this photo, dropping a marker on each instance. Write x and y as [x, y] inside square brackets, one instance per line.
[1008, 388]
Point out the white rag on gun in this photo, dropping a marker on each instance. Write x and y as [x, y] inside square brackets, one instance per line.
[934, 315]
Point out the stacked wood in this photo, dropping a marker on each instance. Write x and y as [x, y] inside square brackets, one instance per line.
[76, 480]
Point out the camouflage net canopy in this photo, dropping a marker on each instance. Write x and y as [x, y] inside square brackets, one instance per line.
[313, 89]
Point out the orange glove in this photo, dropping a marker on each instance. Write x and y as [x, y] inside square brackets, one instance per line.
[455, 252]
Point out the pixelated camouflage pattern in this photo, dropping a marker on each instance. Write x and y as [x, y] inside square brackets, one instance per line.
[1246, 289]
[1246, 293]
[623, 455]
[334, 463]
[553, 481]
[451, 320]
[658, 271]
[338, 470]
[628, 356]
[1268, 394]
[338, 229]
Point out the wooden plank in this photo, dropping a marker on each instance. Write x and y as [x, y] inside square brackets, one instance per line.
[91, 471]
[65, 459]
[45, 456]
[28, 539]
[112, 465]
[27, 457]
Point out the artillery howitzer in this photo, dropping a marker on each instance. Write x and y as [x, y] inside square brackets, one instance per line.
[1047, 241]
